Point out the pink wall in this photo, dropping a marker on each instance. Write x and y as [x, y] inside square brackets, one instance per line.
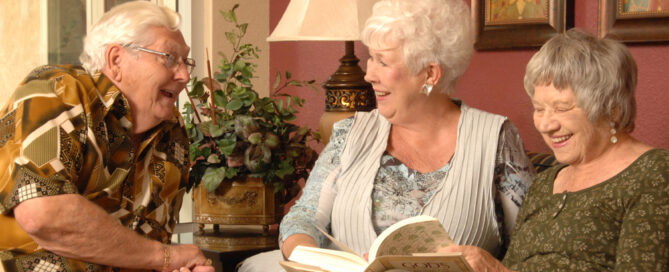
[493, 81]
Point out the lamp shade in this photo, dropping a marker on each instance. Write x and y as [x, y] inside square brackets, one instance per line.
[322, 20]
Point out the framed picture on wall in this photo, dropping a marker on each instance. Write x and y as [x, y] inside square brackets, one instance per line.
[501, 24]
[634, 20]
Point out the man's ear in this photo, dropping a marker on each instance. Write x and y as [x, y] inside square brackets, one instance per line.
[113, 59]
[433, 73]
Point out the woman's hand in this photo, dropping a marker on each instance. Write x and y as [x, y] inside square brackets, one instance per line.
[478, 258]
[295, 240]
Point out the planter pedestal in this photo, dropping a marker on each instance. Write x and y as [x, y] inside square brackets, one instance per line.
[244, 202]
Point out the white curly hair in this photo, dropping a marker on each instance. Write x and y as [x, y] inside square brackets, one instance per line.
[427, 31]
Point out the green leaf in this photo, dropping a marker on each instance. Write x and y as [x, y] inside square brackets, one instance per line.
[213, 177]
[235, 104]
[231, 172]
[216, 130]
[198, 89]
[277, 81]
[288, 75]
[285, 168]
[219, 99]
[227, 145]
[213, 158]
[232, 38]
[243, 27]
[268, 107]
[233, 15]
[239, 65]
[255, 138]
[226, 16]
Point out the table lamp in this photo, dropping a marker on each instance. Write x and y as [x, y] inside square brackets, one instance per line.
[346, 91]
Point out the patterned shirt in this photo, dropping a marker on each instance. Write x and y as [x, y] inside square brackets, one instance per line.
[621, 224]
[67, 132]
[401, 192]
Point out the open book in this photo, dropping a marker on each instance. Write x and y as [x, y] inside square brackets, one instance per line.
[408, 245]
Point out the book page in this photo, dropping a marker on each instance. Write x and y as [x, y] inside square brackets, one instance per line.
[412, 235]
[328, 259]
[298, 267]
[440, 262]
[338, 243]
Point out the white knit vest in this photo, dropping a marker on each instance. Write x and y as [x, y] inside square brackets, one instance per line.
[463, 201]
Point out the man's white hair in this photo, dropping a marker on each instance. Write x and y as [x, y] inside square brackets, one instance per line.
[125, 24]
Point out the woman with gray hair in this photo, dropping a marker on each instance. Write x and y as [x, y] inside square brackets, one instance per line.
[421, 152]
[605, 207]
[94, 163]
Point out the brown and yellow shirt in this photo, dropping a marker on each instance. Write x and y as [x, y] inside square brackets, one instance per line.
[66, 132]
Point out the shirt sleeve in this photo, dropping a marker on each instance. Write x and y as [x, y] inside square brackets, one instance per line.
[643, 244]
[513, 176]
[315, 204]
[40, 145]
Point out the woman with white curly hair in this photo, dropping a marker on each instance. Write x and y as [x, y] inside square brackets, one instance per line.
[421, 152]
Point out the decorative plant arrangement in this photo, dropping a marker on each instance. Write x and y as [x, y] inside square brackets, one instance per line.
[235, 133]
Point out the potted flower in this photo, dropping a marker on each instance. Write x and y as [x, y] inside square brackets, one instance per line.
[236, 135]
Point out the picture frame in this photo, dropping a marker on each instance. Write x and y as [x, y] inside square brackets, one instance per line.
[506, 24]
[634, 21]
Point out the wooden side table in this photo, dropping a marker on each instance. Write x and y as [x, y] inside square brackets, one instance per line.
[232, 244]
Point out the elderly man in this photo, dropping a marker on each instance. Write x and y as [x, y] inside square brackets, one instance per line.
[94, 162]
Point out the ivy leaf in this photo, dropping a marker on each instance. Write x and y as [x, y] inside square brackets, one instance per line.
[285, 168]
[213, 177]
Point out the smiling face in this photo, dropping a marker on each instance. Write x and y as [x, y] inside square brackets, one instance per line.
[150, 86]
[566, 128]
[395, 87]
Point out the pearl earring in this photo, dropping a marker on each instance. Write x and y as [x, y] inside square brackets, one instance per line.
[614, 139]
[427, 89]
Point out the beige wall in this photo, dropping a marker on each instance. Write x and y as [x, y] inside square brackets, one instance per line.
[21, 44]
[207, 17]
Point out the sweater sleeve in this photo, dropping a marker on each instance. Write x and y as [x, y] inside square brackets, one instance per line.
[315, 204]
[513, 175]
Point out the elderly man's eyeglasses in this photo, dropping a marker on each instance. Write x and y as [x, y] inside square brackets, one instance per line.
[171, 62]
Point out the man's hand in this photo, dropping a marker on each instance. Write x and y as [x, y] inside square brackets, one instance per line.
[73, 227]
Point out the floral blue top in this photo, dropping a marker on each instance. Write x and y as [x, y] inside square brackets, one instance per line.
[401, 192]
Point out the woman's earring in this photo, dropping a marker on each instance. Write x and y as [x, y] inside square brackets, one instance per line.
[614, 139]
[426, 89]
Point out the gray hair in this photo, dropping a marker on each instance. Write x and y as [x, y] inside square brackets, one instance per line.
[125, 24]
[601, 73]
[428, 31]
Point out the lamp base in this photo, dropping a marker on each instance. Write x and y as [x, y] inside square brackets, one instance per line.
[346, 92]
